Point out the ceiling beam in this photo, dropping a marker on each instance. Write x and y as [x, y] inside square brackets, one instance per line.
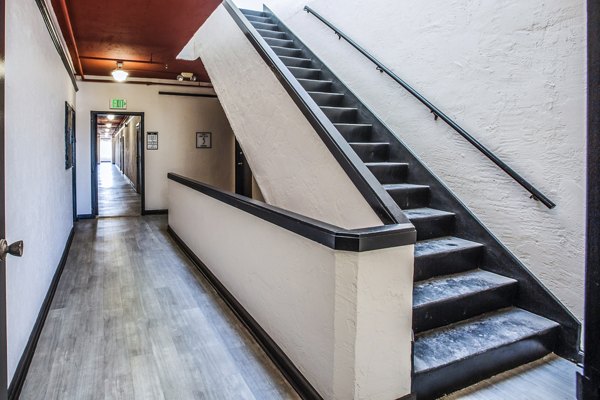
[65, 11]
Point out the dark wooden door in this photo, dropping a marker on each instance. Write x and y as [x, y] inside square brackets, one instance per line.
[243, 174]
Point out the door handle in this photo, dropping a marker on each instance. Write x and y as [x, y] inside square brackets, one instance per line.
[15, 249]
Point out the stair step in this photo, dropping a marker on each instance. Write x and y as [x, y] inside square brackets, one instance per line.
[340, 114]
[371, 151]
[256, 13]
[389, 172]
[265, 26]
[286, 51]
[256, 18]
[456, 356]
[431, 223]
[305, 73]
[327, 98]
[446, 255]
[272, 34]
[315, 85]
[355, 132]
[279, 42]
[447, 299]
[296, 61]
[409, 195]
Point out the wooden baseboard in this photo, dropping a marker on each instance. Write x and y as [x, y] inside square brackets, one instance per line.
[285, 365]
[16, 385]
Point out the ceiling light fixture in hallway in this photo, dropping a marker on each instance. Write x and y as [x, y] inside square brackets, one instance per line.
[119, 74]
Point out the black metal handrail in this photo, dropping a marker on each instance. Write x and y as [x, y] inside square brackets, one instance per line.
[535, 193]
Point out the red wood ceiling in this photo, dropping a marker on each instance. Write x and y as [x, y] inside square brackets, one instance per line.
[146, 34]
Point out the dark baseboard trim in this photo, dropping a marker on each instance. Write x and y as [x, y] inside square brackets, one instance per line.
[156, 212]
[285, 365]
[410, 396]
[86, 216]
[16, 385]
[214, 96]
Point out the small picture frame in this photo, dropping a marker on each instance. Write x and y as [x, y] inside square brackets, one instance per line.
[152, 141]
[203, 140]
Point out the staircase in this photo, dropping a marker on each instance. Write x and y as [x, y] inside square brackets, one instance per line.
[476, 309]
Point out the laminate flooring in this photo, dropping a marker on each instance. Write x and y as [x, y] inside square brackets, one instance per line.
[550, 378]
[133, 319]
[116, 196]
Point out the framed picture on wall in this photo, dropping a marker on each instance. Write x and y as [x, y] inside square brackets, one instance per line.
[203, 140]
[69, 135]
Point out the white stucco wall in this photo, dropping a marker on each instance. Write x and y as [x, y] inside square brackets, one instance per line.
[343, 318]
[176, 119]
[290, 163]
[38, 188]
[512, 74]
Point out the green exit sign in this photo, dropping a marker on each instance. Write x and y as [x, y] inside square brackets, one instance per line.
[118, 104]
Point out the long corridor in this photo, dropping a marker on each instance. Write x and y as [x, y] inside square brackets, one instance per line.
[133, 319]
[116, 196]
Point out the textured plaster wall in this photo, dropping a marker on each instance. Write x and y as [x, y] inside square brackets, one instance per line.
[343, 318]
[39, 206]
[177, 119]
[292, 166]
[512, 74]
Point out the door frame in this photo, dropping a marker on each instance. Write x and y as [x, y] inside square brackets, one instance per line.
[588, 383]
[94, 156]
[3, 337]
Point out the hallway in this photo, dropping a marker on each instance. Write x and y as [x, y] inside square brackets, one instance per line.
[133, 319]
[116, 197]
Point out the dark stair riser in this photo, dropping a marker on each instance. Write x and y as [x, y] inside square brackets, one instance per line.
[355, 132]
[287, 51]
[438, 314]
[254, 13]
[305, 73]
[327, 99]
[413, 196]
[272, 34]
[433, 227]
[340, 114]
[265, 26]
[296, 62]
[448, 262]
[434, 384]
[372, 152]
[279, 42]
[256, 18]
[311, 85]
[389, 172]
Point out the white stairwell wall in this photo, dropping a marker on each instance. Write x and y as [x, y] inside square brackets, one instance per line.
[290, 163]
[511, 73]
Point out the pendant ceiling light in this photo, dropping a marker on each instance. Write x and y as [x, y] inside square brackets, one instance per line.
[119, 74]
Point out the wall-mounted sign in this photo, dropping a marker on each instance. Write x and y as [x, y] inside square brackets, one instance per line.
[152, 141]
[203, 140]
[118, 104]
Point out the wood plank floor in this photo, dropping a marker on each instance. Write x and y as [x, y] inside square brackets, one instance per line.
[132, 319]
[116, 196]
[551, 378]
